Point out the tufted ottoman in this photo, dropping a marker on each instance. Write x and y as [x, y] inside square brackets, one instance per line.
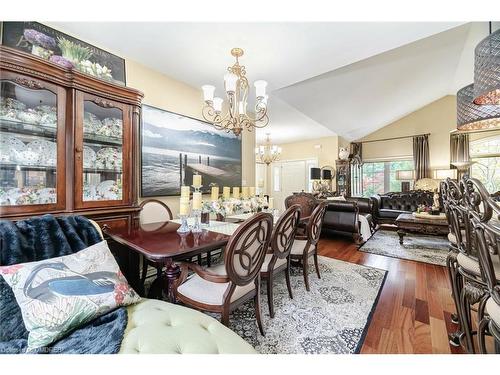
[160, 327]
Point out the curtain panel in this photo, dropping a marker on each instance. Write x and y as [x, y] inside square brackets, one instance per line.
[421, 157]
[459, 148]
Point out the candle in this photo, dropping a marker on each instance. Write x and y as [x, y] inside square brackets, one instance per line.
[185, 191]
[236, 192]
[270, 205]
[215, 193]
[244, 192]
[226, 192]
[184, 206]
[197, 201]
[197, 180]
[251, 191]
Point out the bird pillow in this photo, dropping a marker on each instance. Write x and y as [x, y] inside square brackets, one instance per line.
[58, 295]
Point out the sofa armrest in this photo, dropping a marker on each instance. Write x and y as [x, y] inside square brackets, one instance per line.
[377, 203]
[342, 206]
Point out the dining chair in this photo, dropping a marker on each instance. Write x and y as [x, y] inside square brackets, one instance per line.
[225, 287]
[305, 246]
[487, 243]
[277, 258]
[153, 211]
[307, 203]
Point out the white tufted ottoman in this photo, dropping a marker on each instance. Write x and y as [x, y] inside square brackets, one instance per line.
[164, 328]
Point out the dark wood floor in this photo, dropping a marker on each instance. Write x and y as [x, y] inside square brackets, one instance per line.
[413, 312]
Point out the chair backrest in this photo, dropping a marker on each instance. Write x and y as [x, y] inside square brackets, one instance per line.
[306, 201]
[246, 249]
[154, 210]
[486, 223]
[284, 232]
[315, 223]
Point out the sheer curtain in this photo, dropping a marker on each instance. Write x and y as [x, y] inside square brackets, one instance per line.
[421, 158]
[459, 147]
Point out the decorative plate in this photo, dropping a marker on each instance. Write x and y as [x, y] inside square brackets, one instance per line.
[91, 123]
[89, 157]
[109, 190]
[46, 195]
[48, 115]
[46, 151]
[109, 158]
[111, 127]
[29, 116]
[12, 104]
[10, 148]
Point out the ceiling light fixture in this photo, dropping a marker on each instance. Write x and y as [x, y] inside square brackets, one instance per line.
[236, 85]
[471, 116]
[268, 153]
[487, 70]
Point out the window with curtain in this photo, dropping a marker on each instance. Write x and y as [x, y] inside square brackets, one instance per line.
[380, 177]
[486, 154]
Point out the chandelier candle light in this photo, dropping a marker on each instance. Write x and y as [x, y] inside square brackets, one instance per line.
[268, 153]
[236, 85]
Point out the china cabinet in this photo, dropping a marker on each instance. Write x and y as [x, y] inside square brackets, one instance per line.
[69, 143]
[343, 177]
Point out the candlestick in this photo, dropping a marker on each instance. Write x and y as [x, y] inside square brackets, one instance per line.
[236, 192]
[226, 192]
[184, 206]
[185, 191]
[215, 193]
[197, 180]
[184, 228]
[196, 200]
[251, 191]
[196, 226]
[244, 192]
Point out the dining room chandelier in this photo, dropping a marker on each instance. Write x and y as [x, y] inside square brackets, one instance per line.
[267, 152]
[487, 69]
[471, 116]
[235, 118]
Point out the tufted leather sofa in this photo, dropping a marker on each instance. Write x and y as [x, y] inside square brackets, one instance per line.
[387, 207]
[156, 326]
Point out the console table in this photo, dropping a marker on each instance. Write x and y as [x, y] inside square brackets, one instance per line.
[407, 223]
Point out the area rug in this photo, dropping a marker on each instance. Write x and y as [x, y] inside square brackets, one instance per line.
[332, 318]
[421, 248]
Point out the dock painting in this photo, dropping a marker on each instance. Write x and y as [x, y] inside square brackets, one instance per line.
[174, 147]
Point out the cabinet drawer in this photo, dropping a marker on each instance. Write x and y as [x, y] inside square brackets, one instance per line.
[114, 224]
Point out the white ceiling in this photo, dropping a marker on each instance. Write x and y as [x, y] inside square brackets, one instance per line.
[343, 78]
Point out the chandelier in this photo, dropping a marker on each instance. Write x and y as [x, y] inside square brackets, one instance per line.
[487, 70]
[471, 116]
[268, 153]
[235, 119]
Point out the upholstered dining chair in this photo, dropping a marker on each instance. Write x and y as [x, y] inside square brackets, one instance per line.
[155, 213]
[305, 246]
[277, 258]
[486, 224]
[307, 203]
[223, 288]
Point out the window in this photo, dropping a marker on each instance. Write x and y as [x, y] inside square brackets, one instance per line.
[486, 153]
[276, 178]
[380, 177]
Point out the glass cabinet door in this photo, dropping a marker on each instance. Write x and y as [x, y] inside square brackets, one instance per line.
[30, 126]
[101, 154]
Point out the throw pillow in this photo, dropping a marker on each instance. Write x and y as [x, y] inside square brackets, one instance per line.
[58, 295]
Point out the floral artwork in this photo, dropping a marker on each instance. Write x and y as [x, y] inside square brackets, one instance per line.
[59, 48]
[61, 294]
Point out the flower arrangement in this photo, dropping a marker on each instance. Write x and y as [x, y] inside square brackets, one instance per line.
[42, 45]
[73, 52]
[215, 207]
[423, 208]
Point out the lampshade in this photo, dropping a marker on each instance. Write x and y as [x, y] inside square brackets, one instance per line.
[471, 116]
[315, 174]
[443, 174]
[260, 88]
[208, 92]
[230, 82]
[326, 174]
[405, 175]
[218, 104]
[487, 70]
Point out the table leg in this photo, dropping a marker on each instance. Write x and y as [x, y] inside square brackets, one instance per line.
[401, 234]
[172, 273]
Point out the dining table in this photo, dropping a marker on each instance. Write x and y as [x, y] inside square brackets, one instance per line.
[161, 244]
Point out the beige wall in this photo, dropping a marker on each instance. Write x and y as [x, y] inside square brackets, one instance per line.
[437, 118]
[167, 93]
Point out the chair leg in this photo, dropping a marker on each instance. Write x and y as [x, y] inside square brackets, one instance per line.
[198, 258]
[225, 316]
[316, 264]
[305, 271]
[144, 273]
[257, 307]
[467, 322]
[452, 274]
[481, 335]
[209, 259]
[270, 294]
[287, 277]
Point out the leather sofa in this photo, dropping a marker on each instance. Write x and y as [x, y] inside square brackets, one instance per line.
[387, 207]
[342, 217]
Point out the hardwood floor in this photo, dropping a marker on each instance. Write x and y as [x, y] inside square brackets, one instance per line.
[415, 305]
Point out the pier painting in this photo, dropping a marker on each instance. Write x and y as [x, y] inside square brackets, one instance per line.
[174, 147]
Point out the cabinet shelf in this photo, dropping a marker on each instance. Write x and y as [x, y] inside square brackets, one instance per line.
[46, 131]
[20, 167]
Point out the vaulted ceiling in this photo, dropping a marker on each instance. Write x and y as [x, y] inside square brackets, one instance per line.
[344, 78]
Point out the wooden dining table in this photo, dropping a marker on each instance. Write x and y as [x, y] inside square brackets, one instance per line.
[160, 243]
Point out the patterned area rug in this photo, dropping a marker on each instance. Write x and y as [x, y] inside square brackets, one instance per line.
[421, 248]
[332, 318]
